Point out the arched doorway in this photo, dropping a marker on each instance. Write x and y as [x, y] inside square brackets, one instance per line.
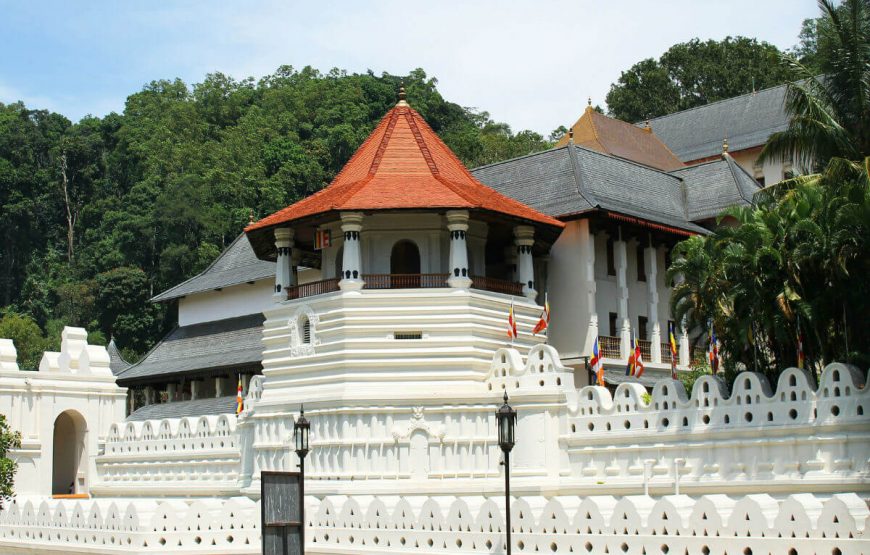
[405, 260]
[69, 464]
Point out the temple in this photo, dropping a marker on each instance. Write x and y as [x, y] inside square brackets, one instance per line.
[382, 304]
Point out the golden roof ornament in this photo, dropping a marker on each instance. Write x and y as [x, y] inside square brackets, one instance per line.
[402, 96]
[725, 145]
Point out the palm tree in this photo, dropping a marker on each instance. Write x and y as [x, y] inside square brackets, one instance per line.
[830, 114]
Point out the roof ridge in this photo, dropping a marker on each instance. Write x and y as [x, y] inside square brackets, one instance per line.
[382, 147]
[206, 270]
[768, 89]
[731, 163]
[627, 160]
[529, 155]
[575, 171]
[421, 144]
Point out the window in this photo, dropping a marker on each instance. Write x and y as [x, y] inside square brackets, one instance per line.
[613, 330]
[401, 335]
[760, 180]
[306, 330]
[641, 264]
[611, 264]
[641, 327]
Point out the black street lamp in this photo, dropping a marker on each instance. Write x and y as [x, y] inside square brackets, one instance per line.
[301, 429]
[507, 419]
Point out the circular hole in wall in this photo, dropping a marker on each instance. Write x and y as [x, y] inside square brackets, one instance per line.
[706, 419]
[835, 410]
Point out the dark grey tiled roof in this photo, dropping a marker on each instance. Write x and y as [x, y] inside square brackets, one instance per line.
[178, 409]
[747, 121]
[237, 264]
[234, 342]
[116, 362]
[714, 186]
[571, 180]
[647, 379]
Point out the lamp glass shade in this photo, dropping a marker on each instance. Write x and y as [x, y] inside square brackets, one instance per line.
[506, 417]
[301, 430]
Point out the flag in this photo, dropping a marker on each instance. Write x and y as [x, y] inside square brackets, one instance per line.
[638, 360]
[632, 357]
[240, 403]
[512, 323]
[713, 350]
[596, 364]
[801, 358]
[545, 318]
[673, 345]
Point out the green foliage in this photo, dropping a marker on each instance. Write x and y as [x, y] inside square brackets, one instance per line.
[830, 115]
[98, 216]
[8, 440]
[692, 74]
[27, 337]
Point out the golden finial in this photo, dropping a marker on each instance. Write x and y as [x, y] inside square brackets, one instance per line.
[725, 145]
[251, 217]
[589, 101]
[402, 96]
[571, 134]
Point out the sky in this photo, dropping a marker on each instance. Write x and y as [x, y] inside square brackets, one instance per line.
[531, 64]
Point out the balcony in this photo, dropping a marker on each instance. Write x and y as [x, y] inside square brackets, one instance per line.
[405, 281]
[609, 346]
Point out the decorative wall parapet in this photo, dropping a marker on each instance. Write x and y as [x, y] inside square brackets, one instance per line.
[710, 524]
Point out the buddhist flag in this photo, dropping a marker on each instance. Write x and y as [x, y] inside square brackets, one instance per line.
[801, 358]
[240, 403]
[638, 360]
[512, 323]
[713, 350]
[596, 364]
[673, 345]
[545, 318]
[632, 357]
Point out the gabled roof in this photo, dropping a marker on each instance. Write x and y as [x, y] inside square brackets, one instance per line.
[624, 140]
[572, 180]
[237, 264]
[234, 343]
[746, 121]
[713, 186]
[403, 164]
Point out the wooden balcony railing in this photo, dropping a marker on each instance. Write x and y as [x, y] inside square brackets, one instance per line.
[666, 353]
[645, 349]
[609, 346]
[404, 281]
[313, 288]
[496, 285]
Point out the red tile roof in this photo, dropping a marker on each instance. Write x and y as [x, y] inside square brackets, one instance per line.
[403, 164]
[618, 138]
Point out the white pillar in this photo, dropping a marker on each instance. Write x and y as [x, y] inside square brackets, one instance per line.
[457, 225]
[587, 283]
[149, 395]
[652, 286]
[171, 392]
[131, 401]
[351, 225]
[218, 387]
[194, 390]
[283, 272]
[685, 355]
[621, 261]
[524, 239]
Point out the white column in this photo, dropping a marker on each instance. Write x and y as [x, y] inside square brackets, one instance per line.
[171, 392]
[621, 261]
[587, 283]
[685, 355]
[351, 226]
[652, 265]
[194, 390]
[457, 225]
[283, 272]
[149, 395]
[524, 239]
[131, 401]
[218, 387]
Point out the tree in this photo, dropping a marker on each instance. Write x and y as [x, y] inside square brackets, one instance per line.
[829, 116]
[27, 336]
[8, 440]
[692, 74]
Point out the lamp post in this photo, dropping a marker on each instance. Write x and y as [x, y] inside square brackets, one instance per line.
[507, 419]
[301, 428]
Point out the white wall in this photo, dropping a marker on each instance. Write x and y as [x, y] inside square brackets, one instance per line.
[771, 170]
